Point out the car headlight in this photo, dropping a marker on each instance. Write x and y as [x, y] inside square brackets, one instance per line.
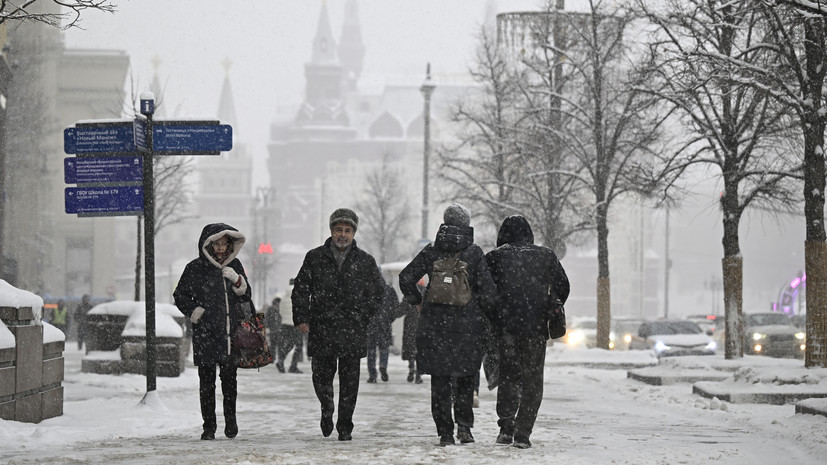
[758, 336]
[711, 346]
[660, 346]
[627, 338]
[800, 336]
[575, 337]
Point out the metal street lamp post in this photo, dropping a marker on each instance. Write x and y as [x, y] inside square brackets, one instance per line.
[427, 89]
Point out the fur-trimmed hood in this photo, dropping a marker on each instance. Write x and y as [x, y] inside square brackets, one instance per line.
[211, 233]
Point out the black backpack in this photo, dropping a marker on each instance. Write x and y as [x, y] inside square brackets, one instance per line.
[449, 282]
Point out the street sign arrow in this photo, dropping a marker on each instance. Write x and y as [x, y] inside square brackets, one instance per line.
[191, 137]
[80, 170]
[126, 200]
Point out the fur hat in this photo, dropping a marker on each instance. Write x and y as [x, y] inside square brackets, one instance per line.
[456, 215]
[344, 215]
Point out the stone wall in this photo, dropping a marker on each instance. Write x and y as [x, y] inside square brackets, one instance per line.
[31, 372]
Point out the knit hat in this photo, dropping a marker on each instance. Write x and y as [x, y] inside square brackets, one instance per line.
[456, 215]
[344, 215]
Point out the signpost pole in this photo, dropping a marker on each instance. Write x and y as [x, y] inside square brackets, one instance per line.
[148, 108]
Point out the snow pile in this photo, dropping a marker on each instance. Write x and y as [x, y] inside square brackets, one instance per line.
[165, 326]
[128, 307]
[11, 296]
[6, 337]
[802, 376]
[52, 334]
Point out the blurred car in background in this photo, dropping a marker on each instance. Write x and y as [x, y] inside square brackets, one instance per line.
[581, 332]
[709, 323]
[673, 337]
[623, 328]
[773, 334]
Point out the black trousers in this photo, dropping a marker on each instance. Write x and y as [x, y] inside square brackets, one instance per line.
[324, 370]
[291, 337]
[520, 392]
[463, 403]
[229, 389]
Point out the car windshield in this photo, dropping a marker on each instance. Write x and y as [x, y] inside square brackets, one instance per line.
[765, 319]
[675, 327]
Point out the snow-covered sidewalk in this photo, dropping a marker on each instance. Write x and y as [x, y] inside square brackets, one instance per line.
[588, 416]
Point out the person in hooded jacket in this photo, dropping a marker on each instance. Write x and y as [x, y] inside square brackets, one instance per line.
[449, 337]
[335, 294]
[213, 293]
[529, 280]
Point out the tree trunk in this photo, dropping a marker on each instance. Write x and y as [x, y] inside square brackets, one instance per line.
[814, 184]
[733, 268]
[604, 312]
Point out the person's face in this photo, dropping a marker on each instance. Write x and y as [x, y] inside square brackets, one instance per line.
[342, 234]
[220, 248]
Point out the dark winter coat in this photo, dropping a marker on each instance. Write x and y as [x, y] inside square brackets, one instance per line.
[449, 338]
[409, 326]
[202, 285]
[524, 273]
[380, 330]
[338, 305]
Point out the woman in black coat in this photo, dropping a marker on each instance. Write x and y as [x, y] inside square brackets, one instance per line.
[211, 293]
[380, 333]
[449, 338]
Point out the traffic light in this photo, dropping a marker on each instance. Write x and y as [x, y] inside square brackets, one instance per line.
[265, 248]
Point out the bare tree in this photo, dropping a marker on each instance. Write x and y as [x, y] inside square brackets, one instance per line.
[601, 129]
[385, 211]
[698, 48]
[797, 38]
[62, 14]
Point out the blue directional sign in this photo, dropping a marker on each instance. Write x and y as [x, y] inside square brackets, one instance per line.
[104, 200]
[115, 137]
[139, 129]
[80, 170]
[191, 137]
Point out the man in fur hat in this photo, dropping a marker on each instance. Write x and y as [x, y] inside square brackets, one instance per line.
[336, 292]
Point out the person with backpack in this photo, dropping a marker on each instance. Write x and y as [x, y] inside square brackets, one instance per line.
[449, 333]
[530, 282]
[335, 294]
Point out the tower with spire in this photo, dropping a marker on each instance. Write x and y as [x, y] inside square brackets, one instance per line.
[351, 47]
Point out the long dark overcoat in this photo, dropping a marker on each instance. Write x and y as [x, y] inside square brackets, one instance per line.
[202, 285]
[524, 274]
[380, 329]
[449, 338]
[338, 305]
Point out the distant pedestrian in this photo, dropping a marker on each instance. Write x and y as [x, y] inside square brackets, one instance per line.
[409, 326]
[380, 333]
[337, 292]
[449, 337]
[212, 292]
[530, 281]
[80, 318]
[60, 316]
[291, 337]
[272, 322]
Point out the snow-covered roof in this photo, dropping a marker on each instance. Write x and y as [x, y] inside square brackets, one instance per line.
[128, 307]
[11, 296]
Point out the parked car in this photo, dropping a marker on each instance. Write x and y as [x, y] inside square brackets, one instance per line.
[773, 334]
[673, 337]
[623, 328]
[581, 332]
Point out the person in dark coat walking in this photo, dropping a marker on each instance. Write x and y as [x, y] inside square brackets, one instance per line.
[272, 321]
[530, 280]
[409, 326]
[80, 318]
[213, 292]
[336, 292]
[449, 338]
[380, 333]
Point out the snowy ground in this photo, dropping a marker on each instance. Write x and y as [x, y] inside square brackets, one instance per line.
[591, 414]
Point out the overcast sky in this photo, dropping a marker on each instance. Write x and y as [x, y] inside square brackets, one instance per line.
[268, 43]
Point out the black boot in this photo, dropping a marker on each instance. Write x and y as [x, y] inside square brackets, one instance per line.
[230, 426]
[384, 373]
[418, 379]
[411, 376]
